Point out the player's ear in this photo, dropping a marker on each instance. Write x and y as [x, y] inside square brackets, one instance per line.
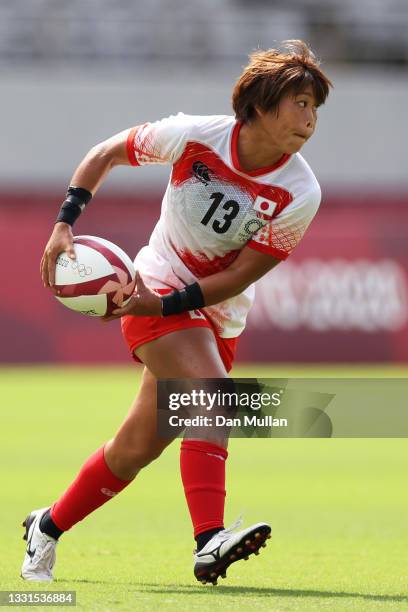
[259, 112]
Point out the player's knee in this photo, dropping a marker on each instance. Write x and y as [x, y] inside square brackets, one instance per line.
[139, 457]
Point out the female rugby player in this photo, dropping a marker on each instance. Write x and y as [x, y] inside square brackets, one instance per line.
[239, 200]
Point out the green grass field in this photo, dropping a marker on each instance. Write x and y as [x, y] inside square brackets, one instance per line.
[338, 507]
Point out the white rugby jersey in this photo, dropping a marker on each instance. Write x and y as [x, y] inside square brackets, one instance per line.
[212, 208]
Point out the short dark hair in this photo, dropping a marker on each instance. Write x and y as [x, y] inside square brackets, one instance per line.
[272, 74]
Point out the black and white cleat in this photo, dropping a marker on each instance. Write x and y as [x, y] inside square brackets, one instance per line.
[227, 547]
[39, 558]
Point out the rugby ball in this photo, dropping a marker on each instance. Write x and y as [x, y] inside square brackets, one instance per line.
[99, 280]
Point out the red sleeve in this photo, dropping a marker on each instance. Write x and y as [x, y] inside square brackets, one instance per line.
[267, 249]
[130, 147]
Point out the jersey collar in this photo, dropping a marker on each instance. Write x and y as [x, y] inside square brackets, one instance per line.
[235, 159]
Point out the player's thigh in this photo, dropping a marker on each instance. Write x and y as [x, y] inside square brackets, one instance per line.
[188, 354]
[138, 432]
[185, 353]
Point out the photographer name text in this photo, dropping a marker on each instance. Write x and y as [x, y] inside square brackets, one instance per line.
[221, 421]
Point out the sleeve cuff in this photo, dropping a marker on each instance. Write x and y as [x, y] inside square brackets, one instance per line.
[130, 148]
[267, 250]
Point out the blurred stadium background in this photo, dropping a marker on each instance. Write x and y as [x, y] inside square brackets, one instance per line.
[75, 72]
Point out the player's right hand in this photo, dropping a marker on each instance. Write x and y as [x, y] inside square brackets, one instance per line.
[60, 240]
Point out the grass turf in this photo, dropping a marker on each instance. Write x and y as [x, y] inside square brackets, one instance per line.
[338, 507]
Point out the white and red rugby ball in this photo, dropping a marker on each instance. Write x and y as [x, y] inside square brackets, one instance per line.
[99, 280]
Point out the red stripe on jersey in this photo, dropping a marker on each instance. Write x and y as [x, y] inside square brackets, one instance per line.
[200, 265]
[198, 152]
[259, 171]
[268, 250]
[130, 148]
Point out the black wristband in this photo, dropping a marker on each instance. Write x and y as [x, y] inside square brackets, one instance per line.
[189, 298]
[195, 296]
[171, 303]
[76, 200]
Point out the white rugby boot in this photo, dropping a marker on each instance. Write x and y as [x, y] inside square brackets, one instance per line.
[226, 547]
[40, 553]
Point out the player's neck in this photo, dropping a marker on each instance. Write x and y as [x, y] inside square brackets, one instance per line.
[255, 150]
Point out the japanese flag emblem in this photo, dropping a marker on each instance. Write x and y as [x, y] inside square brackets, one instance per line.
[265, 207]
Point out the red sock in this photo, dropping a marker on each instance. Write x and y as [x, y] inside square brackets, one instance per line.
[94, 485]
[202, 466]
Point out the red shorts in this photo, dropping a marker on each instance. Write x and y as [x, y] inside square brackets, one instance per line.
[139, 330]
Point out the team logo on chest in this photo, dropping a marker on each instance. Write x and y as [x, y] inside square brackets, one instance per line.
[201, 171]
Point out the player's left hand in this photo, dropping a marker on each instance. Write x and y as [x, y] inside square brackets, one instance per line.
[144, 303]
